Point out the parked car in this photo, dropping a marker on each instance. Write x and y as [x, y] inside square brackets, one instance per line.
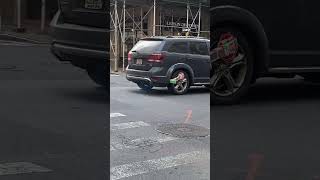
[173, 62]
[80, 32]
[270, 43]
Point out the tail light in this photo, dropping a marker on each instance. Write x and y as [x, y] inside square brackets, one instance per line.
[157, 57]
[129, 56]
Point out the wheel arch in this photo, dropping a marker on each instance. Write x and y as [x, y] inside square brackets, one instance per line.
[250, 26]
[181, 66]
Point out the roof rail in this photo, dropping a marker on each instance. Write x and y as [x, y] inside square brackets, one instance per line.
[196, 37]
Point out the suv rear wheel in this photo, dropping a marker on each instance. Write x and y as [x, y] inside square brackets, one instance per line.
[98, 73]
[180, 82]
[231, 76]
[145, 86]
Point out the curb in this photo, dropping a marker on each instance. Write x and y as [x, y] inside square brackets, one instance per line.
[10, 37]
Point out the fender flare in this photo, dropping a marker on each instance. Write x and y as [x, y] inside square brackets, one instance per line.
[181, 66]
[250, 24]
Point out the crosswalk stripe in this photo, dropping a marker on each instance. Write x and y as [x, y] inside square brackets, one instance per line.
[143, 167]
[21, 168]
[139, 142]
[113, 115]
[128, 125]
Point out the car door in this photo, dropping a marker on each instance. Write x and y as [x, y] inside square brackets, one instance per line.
[199, 60]
[178, 49]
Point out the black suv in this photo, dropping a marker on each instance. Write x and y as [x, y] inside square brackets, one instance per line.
[272, 38]
[80, 32]
[173, 62]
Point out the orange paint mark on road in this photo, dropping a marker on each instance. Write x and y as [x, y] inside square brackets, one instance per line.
[188, 118]
[255, 162]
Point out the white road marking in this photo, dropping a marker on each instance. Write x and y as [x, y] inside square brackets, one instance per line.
[114, 75]
[128, 125]
[21, 168]
[113, 115]
[139, 142]
[143, 167]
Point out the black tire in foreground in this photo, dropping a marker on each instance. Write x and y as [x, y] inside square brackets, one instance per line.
[144, 86]
[181, 86]
[231, 77]
[98, 73]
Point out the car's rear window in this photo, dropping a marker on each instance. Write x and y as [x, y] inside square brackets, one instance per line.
[147, 46]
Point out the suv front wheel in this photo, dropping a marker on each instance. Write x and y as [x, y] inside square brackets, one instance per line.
[231, 76]
[179, 82]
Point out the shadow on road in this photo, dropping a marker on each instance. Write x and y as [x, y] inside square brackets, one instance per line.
[165, 92]
[93, 95]
[279, 91]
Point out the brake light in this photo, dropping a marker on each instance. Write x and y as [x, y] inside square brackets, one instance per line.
[129, 56]
[157, 57]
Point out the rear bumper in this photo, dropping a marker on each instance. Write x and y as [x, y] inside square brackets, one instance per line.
[148, 77]
[78, 43]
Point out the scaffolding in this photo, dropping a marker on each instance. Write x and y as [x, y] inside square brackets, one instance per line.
[129, 23]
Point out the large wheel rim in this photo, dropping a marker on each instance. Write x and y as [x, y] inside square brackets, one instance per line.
[181, 84]
[228, 77]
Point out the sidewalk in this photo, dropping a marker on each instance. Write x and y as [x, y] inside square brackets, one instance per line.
[31, 35]
[120, 72]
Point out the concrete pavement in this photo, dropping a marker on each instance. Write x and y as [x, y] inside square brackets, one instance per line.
[139, 151]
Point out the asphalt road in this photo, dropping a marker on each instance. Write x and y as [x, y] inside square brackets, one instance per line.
[275, 130]
[140, 151]
[52, 118]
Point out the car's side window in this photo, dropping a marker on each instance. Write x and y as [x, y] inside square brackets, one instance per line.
[200, 48]
[179, 47]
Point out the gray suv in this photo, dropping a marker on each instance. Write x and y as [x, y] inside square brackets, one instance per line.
[173, 62]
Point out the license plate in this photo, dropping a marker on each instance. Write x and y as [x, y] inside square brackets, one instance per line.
[139, 61]
[93, 4]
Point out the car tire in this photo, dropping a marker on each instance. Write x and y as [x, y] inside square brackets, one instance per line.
[98, 73]
[144, 86]
[245, 50]
[172, 87]
[313, 77]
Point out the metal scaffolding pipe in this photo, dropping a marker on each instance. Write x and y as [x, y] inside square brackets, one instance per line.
[154, 17]
[199, 25]
[188, 9]
[116, 39]
[124, 34]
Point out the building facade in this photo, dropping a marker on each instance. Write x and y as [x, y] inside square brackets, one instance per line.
[30, 12]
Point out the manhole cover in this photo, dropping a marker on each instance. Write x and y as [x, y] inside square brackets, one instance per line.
[183, 130]
[7, 67]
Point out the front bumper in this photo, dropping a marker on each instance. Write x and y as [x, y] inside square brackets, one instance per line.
[73, 42]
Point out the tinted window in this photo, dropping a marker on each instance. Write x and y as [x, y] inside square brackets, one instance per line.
[179, 47]
[147, 46]
[199, 48]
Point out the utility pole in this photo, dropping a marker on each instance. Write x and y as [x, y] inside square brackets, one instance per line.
[43, 14]
[19, 14]
[0, 19]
